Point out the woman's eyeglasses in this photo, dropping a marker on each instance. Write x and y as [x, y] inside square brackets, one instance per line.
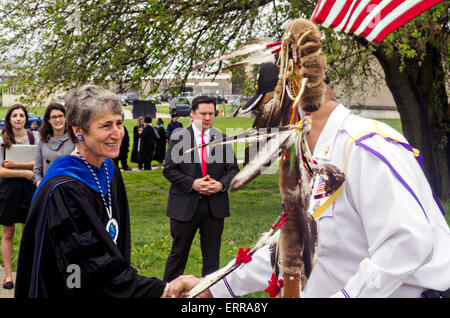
[56, 117]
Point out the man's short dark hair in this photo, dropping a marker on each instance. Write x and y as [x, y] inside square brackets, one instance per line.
[202, 100]
[147, 119]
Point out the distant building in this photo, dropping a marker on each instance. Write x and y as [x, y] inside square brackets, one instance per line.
[8, 94]
[381, 105]
[219, 84]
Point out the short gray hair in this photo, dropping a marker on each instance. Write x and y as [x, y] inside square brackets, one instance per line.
[83, 103]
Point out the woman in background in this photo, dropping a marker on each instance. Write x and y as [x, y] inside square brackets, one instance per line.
[147, 143]
[137, 130]
[16, 185]
[55, 142]
[123, 153]
[160, 151]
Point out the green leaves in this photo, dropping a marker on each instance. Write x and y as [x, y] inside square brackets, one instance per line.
[58, 44]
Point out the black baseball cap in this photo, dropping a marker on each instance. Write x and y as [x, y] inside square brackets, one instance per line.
[267, 81]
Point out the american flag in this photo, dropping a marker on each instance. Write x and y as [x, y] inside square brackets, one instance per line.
[370, 19]
[320, 186]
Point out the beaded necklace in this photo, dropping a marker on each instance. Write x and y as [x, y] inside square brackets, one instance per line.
[112, 227]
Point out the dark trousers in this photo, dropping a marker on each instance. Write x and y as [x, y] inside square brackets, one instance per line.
[147, 165]
[183, 233]
[147, 160]
[123, 161]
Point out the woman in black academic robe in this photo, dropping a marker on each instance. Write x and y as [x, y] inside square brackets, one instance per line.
[76, 241]
[148, 143]
[74, 217]
[161, 142]
[137, 129]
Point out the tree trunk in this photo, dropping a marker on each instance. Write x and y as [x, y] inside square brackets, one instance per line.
[421, 98]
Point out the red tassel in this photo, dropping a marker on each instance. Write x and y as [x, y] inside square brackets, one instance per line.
[243, 256]
[276, 50]
[273, 44]
[281, 222]
[274, 287]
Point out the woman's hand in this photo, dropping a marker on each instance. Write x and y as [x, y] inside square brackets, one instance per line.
[28, 174]
[9, 164]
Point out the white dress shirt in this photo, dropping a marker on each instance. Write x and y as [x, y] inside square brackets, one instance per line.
[198, 139]
[374, 240]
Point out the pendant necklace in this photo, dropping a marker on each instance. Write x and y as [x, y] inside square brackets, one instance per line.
[112, 227]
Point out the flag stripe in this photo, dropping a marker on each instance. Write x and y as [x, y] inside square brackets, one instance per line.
[366, 16]
[323, 13]
[362, 13]
[318, 8]
[334, 12]
[389, 15]
[377, 15]
[371, 19]
[360, 8]
[343, 12]
[349, 14]
[408, 16]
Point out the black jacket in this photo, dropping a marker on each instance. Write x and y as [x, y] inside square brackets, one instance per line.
[182, 168]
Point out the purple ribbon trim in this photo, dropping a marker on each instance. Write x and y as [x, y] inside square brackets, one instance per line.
[229, 287]
[42, 238]
[407, 147]
[345, 293]
[402, 181]
[411, 149]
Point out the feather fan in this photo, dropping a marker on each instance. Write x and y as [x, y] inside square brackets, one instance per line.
[258, 47]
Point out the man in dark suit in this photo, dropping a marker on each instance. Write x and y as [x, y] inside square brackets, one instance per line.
[197, 197]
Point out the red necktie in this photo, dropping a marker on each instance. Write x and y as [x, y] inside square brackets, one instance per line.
[204, 159]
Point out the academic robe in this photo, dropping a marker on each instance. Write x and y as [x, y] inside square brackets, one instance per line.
[161, 142]
[66, 231]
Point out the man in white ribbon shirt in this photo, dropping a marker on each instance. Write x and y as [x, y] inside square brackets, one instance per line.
[384, 236]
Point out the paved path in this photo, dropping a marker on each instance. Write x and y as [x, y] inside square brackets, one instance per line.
[5, 293]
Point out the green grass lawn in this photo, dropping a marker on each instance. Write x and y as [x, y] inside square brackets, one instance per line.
[253, 210]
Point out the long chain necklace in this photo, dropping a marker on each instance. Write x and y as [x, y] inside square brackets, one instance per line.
[112, 227]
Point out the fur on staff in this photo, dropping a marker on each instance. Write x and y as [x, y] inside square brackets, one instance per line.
[301, 57]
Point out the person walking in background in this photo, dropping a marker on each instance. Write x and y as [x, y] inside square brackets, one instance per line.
[16, 185]
[148, 143]
[160, 151]
[137, 130]
[55, 141]
[124, 149]
[174, 124]
[198, 197]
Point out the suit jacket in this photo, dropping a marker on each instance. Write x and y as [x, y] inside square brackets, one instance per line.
[182, 168]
